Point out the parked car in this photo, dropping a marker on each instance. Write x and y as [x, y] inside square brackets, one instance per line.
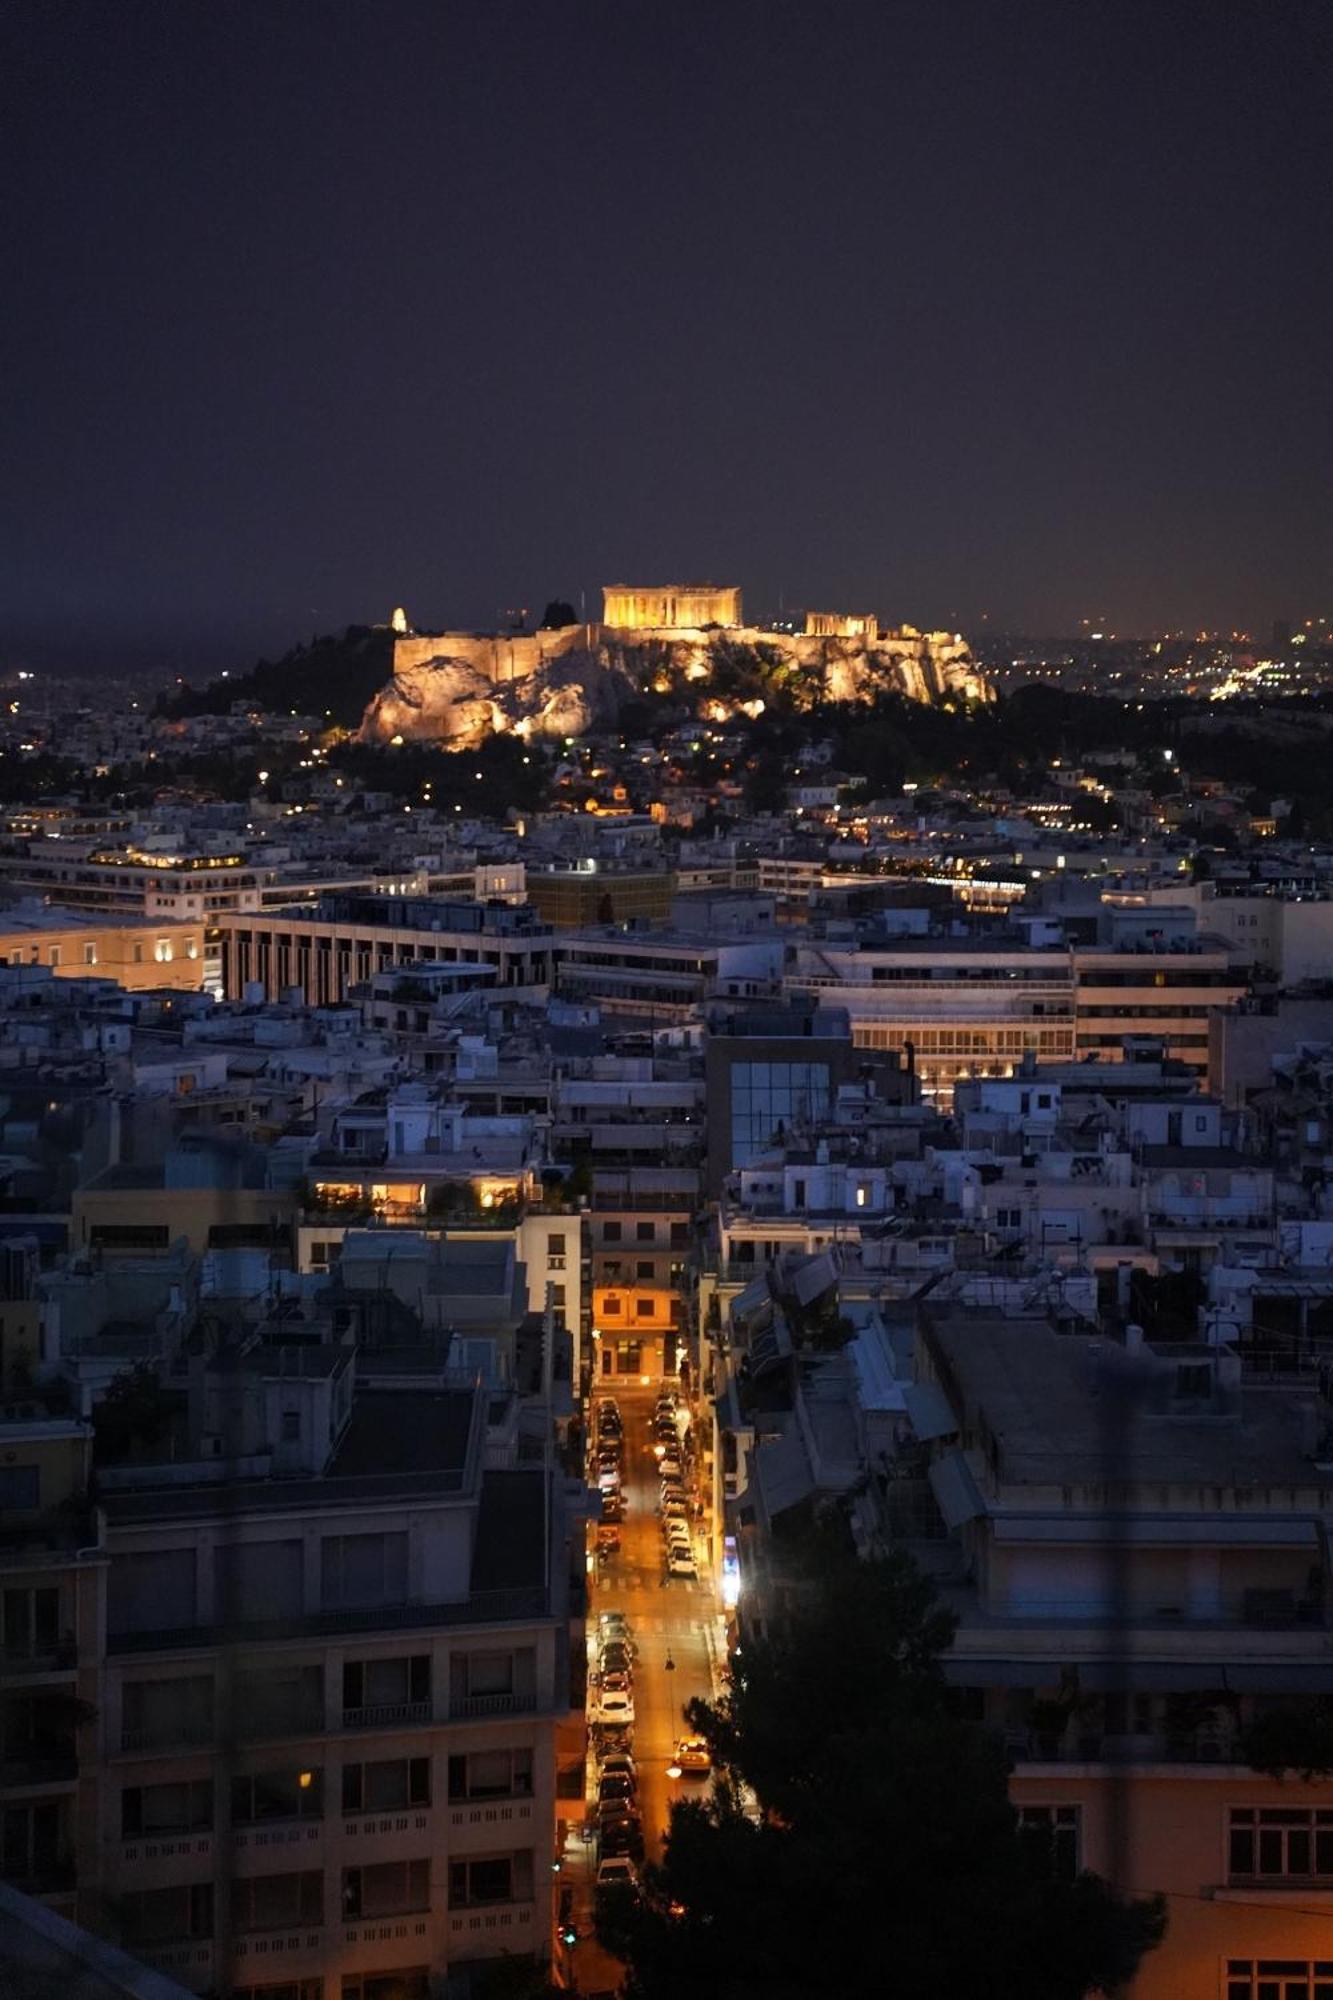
[615, 1625]
[617, 1871]
[615, 1787]
[618, 1681]
[616, 1705]
[608, 1479]
[680, 1562]
[621, 1833]
[675, 1510]
[615, 1657]
[613, 1507]
[693, 1757]
[619, 1762]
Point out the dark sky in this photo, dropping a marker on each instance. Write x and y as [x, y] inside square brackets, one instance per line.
[942, 310]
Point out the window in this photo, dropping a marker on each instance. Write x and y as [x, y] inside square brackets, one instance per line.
[33, 1849]
[253, 1581]
[386, 1787]
[645, 1269]
[1280, 1843]
[380, 1690]
[645, 1232]
[558, 1297]
[159, 1713]
[90, 954]
[1279, 1979]
[611, 1306]
[20, 1487]
[276, 1701]
[498, 1878]
[168, 1808]
[291, 1427]
[491, 1774]
[153, 1591]
[268, 1795]
[156, 1916]
[1052, 1832]
[386, 1889]
[489, 1673]
[610, 1232]
[55, 955]
[643, 1308]
[31, 1623]
[363, 1570]
[555, 1250]
[277, 1902]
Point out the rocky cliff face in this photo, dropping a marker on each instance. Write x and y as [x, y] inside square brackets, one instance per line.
[458, 687]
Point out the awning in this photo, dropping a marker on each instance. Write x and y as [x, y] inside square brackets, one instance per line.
[928, 1408]
[754, 1295]
[955, 1490]
[782, 1474]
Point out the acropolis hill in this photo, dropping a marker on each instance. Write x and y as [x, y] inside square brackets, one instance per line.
[689, 639]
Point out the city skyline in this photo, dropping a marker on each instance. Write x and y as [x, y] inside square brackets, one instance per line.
[968, 321]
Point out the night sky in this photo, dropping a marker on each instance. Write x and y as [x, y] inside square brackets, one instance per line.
[951, 310]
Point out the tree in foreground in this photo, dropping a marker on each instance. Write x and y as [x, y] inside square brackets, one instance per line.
[863, 1841]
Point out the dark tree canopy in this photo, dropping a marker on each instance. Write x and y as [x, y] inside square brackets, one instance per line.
[557, 613]
[864, 1842]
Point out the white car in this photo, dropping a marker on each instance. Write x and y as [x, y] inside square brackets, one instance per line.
[618, 1872]
[680, 1562]
[616, 1705]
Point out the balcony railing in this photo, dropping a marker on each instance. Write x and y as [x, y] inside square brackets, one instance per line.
[511, 1703]
[188, 1736]
[484, 1607]
[1097, 1747]
[387, 1715]
[38, 1767]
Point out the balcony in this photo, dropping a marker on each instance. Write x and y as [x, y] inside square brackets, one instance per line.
[469, 1706]
[1201, 1746]
[486, 1607]
[388, 1715]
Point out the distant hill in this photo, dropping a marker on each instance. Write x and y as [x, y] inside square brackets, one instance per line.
[335, 677]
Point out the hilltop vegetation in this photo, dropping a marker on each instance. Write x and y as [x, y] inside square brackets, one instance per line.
[333, 677]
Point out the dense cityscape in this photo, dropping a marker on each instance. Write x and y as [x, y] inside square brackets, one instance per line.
[476, 1273]
[666, 1001]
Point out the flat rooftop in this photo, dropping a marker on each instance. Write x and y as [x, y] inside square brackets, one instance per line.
[1046, 1399]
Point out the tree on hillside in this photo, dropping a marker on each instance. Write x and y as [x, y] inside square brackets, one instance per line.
[884, 1856]
[558, 613]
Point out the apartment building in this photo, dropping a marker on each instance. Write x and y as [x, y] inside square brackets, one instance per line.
[1132, 1541]
[288, 1724]
[50, 1602]
[639, 1234]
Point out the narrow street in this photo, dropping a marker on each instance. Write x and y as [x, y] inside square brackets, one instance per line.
[672, 1621]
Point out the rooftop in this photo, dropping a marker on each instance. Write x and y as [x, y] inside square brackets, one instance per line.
[1057, 1405]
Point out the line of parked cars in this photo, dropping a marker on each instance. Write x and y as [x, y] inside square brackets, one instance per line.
[673, 1505]
[608, 1466]
[619, 1824]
